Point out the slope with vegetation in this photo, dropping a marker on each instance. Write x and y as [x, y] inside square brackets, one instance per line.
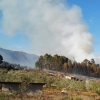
[63, 64]
[18, 57]
[75, 90]
[54, 86]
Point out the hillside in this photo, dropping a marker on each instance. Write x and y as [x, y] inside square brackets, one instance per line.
[64, 64]
[18, 57]
[56, 88]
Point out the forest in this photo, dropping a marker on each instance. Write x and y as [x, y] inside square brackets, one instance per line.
[59, 63]
[63, 64]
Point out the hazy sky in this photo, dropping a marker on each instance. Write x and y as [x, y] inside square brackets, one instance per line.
[67, 27]
[91, 13]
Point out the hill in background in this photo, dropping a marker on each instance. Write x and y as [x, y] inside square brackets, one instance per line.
[18, 57]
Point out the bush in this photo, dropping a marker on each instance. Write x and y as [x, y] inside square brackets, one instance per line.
[71, 98]
[98, 92]
[77, 99]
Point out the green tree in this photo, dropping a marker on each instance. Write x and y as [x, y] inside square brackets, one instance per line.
[1, 58]
[37, 65]
[69, 65]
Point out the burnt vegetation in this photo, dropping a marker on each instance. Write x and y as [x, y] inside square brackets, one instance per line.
[63, 64]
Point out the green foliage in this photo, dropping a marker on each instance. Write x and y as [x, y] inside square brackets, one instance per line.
[55, 62]
[3, 74]
[63, 64]
[95, 86]
[71, 98]
[30, 76]
[67, 98]
[25, 82]
[77, 99]
[98, 92]
[27, 77]
[1, 58]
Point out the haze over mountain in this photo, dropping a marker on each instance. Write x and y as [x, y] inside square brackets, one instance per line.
[19, 57]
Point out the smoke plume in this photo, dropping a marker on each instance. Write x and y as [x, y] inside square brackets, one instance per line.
[52, 26]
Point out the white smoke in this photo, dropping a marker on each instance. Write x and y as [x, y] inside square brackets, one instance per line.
[53, 26]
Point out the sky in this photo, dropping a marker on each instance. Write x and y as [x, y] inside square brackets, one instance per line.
[91, 12]
[65, 27]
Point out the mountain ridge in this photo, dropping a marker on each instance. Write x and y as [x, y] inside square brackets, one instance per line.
[19, 57]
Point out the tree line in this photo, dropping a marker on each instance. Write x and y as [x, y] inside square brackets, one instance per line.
[63, 64]
[9, 66]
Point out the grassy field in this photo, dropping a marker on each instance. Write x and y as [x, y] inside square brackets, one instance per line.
[76, 90]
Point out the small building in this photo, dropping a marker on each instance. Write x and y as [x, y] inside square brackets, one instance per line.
[34, 87]
[9, 87]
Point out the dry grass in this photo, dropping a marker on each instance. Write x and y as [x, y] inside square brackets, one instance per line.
[38, 96]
